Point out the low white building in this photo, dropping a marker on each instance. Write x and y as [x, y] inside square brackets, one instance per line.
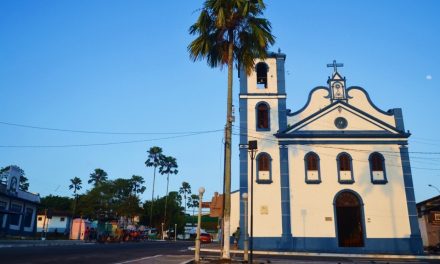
[333, 176]
[58, 222]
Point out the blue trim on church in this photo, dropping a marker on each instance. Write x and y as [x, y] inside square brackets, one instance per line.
[330, 245]
[243, 155]
[416, 239]
[285, 194]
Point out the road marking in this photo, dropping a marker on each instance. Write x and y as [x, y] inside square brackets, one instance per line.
[139, 259]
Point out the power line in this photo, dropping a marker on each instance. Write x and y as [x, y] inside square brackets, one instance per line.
[98, 132]
[107, 143]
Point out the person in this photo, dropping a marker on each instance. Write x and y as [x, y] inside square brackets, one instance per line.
[236, 237]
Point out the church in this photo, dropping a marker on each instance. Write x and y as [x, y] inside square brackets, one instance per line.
[332, 176]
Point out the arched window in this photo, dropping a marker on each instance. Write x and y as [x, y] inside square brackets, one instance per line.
[264, 173]
[345, 168]
[377, 168]
[261, 70]
[313, 173]
[262, 116]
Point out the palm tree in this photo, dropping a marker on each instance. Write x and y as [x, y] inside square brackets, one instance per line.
[185, 190]
[228, 31]
[168, 166]
[193, 202]
[76, 186]
[136, 184]
[97, 177]
[154, 159]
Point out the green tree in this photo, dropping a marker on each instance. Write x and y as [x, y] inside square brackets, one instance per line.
[76, 186]
[97, 177]
[56, 203]
[193, 202]
[168, 166]
[228, 31]
[154, 159]
[185, 190]
[136, 184]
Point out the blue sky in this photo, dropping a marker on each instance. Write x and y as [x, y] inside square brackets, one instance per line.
[122, 66]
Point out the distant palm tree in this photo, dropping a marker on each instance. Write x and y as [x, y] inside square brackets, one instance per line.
[136, 184]
[185, 190]
[228, 31]
[97, 177]
[76, 186]
[168, 166]
[193, 202]
[154, 159]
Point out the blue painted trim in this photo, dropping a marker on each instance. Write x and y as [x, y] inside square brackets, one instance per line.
[306, 166]
[398, 118]
[348, 142]
[385, 180]
[243, 81]
[243, 155]
[276, 55]
[285, 194]
[268, 116]
[351, 169]
[361, 203]
[257, 170]
[330, 245]
[262, 94]
[309, 99]
[341, 134]
[282, 115]
[281, 79]
[416, 239]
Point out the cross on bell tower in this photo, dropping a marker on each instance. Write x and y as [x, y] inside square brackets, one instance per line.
[336, 83]
[335, 65]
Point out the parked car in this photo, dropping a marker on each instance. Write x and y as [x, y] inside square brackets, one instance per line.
[205, 238]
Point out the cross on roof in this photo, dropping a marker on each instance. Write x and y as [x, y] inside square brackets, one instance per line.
[335, 65]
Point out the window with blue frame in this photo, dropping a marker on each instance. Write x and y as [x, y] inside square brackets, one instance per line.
[345, 168]
[313, 173]
[15, 215]
[262, 116]
[264, 174]
[261, 68]
[28, 216]
[377, 168]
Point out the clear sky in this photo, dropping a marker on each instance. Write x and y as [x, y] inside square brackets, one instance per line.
[122, 66]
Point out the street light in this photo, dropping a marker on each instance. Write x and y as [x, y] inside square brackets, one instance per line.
[252, 149]
[432, 186]
[246, 242]
[199, 222]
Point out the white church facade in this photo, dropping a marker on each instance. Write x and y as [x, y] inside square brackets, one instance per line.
[333, 176]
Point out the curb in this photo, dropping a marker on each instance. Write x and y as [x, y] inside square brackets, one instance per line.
[334, 255]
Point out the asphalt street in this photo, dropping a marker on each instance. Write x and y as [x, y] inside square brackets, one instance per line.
[133, 253]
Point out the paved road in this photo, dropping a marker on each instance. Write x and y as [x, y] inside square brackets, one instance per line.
[126, 253]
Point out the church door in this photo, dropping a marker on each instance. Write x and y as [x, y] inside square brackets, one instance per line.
[349, 220]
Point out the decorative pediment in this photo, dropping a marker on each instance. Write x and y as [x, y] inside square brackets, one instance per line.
[341, 119]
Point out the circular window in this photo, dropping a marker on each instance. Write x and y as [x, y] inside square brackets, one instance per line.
[341, 122]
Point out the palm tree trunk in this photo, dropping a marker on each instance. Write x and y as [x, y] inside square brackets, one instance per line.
[227, 179]
[152, 199]
[166, 199]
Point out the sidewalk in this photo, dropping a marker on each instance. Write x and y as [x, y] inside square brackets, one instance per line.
[215, 248]
[40, 243]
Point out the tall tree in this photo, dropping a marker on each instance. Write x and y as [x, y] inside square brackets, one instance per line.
[193, 202]
[76, 186]
[97, 177]
[168, 166]
[185, 190]
[154, 159]
[136, 184]
[228, 31]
